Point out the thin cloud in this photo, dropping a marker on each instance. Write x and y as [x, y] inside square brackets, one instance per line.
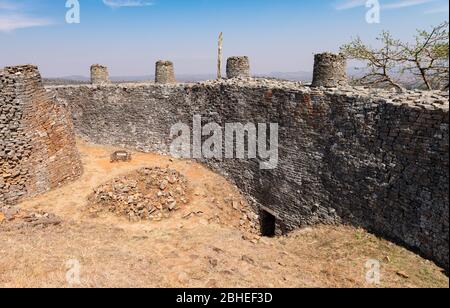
[13, 22]
[127, 3]
[405, 4]
[12, 18]
[351, 4]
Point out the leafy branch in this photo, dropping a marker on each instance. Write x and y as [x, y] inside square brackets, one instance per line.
[426, 60]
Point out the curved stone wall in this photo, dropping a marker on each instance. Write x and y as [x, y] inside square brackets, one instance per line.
[37, 140]
[376, 160]
[330, 70]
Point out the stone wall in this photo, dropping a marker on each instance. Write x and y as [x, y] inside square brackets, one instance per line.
[99, 74]
[238, 67]
[164, 72]
[330, 70]
[37, 142]
[368, 158]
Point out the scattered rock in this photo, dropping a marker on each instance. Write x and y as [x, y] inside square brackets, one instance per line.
[213, 262]
[248, 260]
[217, 250]
[192, 213]
[403, 275]
[13, 218]
[235, 205]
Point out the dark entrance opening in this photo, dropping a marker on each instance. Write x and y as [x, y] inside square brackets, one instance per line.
[268, 222]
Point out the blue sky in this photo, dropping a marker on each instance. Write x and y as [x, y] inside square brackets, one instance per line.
[131, 35]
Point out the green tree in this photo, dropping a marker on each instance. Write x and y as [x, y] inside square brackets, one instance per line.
[425, 61]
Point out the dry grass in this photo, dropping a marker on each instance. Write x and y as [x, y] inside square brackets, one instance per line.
[205, 250]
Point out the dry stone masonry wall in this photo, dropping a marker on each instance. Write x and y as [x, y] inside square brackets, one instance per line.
[238, 67]
[165, 72]
[371, 158]
[99, 74]
[37, 141]
[330, 70]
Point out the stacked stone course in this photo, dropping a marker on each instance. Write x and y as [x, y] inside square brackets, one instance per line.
[372, 158]
[330, 70]
[99, 75]
[238, 67]
[354, 155]
[37, 143]
[165, 72]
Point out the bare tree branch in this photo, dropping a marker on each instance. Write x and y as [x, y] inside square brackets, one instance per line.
[425, 60]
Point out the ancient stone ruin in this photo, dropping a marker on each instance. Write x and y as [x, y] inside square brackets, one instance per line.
[330, 70]
[99, 75]
[165, 72]
[37, 141]
[238, 67]
[348, 155]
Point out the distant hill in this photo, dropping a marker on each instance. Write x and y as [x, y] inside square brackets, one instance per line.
[303, 76]
[294, 76]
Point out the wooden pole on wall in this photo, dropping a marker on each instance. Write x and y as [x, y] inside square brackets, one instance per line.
[219, 60]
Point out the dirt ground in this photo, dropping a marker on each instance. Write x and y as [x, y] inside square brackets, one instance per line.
[208, 243]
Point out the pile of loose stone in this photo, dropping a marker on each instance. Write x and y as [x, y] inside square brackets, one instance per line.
[14, 218]
[145, 194]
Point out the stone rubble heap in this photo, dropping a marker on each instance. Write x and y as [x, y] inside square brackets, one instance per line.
[13, 218]
[146, 194]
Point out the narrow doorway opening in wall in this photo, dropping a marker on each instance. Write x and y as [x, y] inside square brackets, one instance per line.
[268, 224]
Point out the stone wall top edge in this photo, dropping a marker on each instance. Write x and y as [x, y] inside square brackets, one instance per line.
[20, 69]
[430, 100]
